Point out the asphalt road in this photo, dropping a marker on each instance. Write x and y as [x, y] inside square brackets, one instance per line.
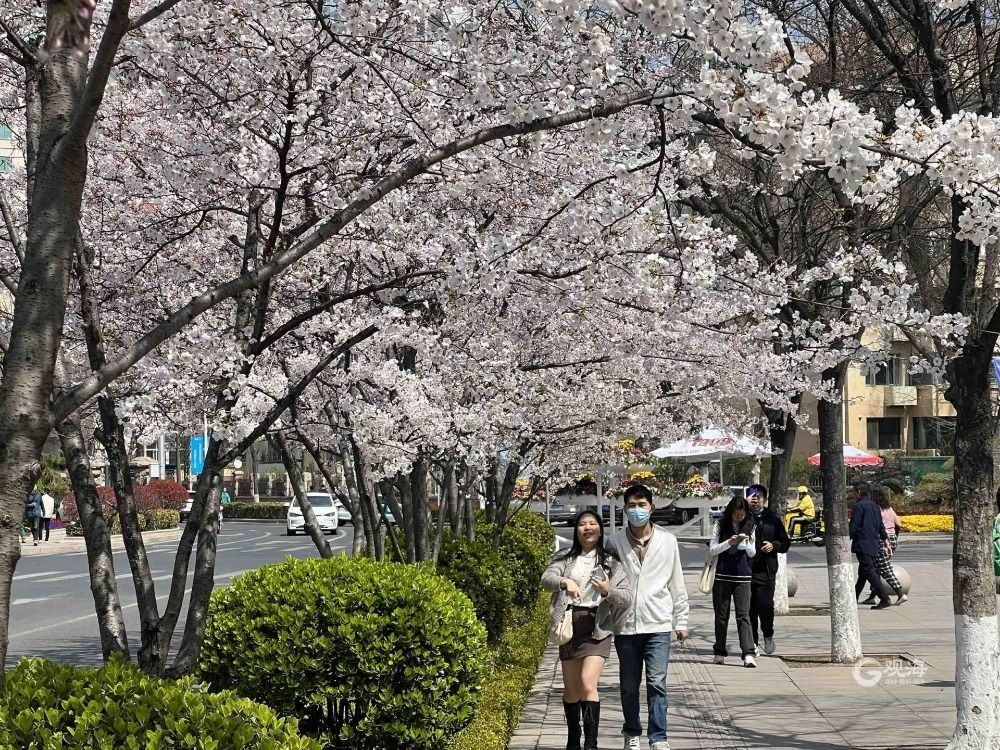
[52, 609]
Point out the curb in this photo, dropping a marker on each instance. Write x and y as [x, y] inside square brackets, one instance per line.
[78, 544]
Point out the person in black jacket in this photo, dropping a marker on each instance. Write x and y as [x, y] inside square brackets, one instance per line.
[867, 538]
[772, 540]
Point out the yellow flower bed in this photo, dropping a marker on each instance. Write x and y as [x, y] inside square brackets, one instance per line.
[920, 524]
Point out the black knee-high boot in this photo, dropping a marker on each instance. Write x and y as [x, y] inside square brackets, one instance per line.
[573, 725]
[591, 723]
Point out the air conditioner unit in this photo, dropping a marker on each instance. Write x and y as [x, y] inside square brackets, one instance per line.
[901, 395]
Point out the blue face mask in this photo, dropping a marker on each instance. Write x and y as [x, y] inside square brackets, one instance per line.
[637, 516]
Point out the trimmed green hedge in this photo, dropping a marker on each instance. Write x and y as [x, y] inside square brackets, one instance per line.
[484, 576]
[264, 511]
[394, 644]
[150, 520]
[52, 706]
[511, 673]
[526, 547]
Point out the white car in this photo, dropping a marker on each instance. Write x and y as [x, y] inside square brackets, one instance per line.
[343, 514]
[323, 505]
[186, 509]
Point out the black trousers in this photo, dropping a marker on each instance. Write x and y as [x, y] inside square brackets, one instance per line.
[723, 592]
[762, 609]
[868, 574]
[36, 528]
[47, 527]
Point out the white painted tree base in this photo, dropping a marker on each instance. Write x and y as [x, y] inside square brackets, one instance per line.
[977, 683]
[845, 629]
[781, 586]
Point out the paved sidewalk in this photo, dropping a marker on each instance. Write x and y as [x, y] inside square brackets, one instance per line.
[59, 543]
[783, 705]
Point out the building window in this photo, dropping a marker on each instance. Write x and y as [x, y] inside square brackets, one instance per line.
[6, 164]
[151, 451]
[933, 433]
[885, 433]
[888, 373]
[925, 378]
[5, 134]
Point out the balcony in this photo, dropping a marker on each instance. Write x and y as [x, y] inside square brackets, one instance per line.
[901, 395]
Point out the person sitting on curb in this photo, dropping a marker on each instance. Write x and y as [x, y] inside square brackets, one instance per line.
[772, 540]
[652, 562]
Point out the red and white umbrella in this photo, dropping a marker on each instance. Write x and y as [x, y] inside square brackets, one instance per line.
[853, 457]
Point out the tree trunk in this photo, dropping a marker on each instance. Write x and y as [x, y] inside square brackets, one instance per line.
[845, 644]
[450, 491]
[419, 510]
[299, 489]
[203, 582]
[352, 500]
[387, 492]
[977, 640]
[367, 493]
[100, 561]
[468, 508]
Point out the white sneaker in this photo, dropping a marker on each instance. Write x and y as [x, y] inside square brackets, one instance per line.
[719, 659]
[659, 745]
[768, 646]
[631, 743]
[756, 651]
[902, 598]
[749, 661]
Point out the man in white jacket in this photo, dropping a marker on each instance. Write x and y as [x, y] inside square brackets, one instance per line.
[652, 563]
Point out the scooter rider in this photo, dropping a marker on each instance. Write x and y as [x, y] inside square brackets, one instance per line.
[801, 513]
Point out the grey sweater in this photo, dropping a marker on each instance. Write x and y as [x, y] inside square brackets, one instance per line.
[619, 596]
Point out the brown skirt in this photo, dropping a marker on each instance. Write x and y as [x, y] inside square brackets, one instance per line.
[584, 644]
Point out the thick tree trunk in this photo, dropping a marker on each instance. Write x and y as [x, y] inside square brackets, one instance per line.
[450, 491]
[468, 507]
[369, 499]
[977, 638]
[419, 510]
[401, 489]
[782, 429]
[203, 582]
[845, 642]
[100, 562]
[311, 525]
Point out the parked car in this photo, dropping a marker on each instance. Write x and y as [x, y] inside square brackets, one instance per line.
[323, 505]
[671, 514]
[564, 513]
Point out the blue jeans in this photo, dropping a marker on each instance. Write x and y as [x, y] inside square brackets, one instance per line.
[651, 650]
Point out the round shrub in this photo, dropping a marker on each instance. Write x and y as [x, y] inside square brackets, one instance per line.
[394, 646]
[481, 574]
[48, 705]
[160, 493]
[109, 507]
[525, 547]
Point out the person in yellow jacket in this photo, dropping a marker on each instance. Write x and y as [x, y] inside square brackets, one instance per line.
[803, 510]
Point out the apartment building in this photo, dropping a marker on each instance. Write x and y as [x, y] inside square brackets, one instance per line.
[893, 410]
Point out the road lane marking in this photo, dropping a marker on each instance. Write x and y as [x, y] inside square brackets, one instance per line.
[26, 576]
[81, 618]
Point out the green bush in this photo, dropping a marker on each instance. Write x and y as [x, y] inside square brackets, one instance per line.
[150, 520]
[62, 707]
[525, 547]
[396, 643]
[509, 680]
[267, 511]
[934, 494]
[481, 574]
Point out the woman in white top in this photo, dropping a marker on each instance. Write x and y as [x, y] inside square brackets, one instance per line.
[589, 580]
[734, 544]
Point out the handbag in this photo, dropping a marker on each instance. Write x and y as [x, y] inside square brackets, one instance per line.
[561, 632]
[708, 574]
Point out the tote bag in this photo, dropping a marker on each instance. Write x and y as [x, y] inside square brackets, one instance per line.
[561, 631]
[708, 574]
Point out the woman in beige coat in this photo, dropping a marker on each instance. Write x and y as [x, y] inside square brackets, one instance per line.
[590, 581]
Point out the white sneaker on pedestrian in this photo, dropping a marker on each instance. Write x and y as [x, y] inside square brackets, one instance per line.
[631, 743]
[719, 659]
[659, 745]
[768, 646]
[756, 650]
[749, 661]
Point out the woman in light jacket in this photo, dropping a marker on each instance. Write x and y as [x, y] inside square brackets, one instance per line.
[589, 580]
[734, 544]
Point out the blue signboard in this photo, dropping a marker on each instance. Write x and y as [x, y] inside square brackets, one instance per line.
[197, 451]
